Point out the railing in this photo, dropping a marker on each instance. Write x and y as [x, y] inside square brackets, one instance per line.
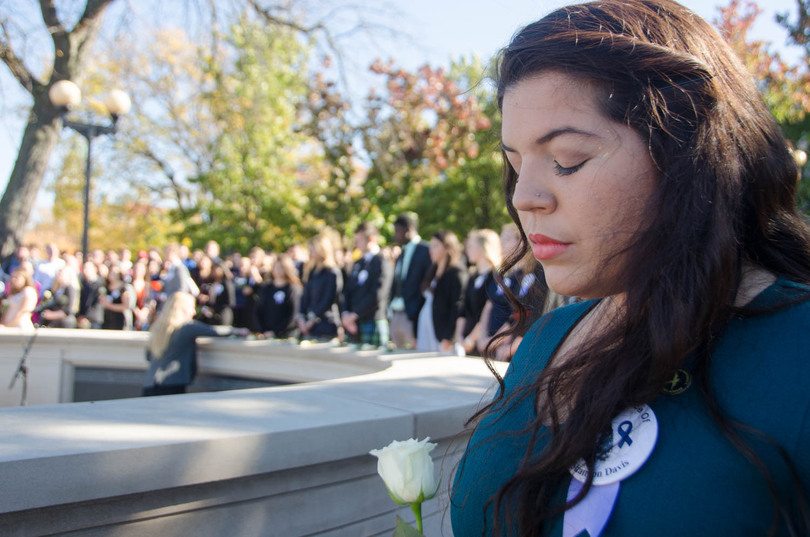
[287, 461]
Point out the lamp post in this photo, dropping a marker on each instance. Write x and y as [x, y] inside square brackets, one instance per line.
[65, 94]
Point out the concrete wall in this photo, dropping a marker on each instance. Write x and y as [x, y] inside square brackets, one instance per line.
[283, 461]
[55, 354]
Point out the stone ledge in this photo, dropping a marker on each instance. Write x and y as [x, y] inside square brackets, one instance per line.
[56, 353]
[182, 464]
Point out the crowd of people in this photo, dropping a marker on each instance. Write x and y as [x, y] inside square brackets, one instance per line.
[436, 295]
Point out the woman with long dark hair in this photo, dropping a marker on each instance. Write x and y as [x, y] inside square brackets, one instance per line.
[221, 297]
[649, 178]
[279, 299]
[443, 289]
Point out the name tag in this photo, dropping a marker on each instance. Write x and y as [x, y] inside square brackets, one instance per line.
[398, 304]
[362, 276]
[631, 442]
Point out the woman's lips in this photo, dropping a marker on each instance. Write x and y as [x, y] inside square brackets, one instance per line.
[545, 248]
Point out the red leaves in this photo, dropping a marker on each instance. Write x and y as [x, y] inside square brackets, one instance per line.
[431, 116]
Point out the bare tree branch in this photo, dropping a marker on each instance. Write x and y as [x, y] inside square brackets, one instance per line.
[324, 30]
[180, 192]
[273, 19]
[88, 25]
[50, 18]
[71, 53]
[800, 31]
[59, 35]
[68, 45]
[15, 63]
[92, 11]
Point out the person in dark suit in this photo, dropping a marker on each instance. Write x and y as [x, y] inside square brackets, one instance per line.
[409, 272]
[365, 296]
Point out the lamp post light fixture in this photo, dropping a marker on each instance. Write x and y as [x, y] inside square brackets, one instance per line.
[66, 94]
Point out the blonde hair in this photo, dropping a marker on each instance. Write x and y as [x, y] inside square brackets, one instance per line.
[323, 247]
[173, 315]
[490, 243]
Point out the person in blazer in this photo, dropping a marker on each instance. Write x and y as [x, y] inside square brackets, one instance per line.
[319, 315]
[409, 272]
[278, 300]
[365, 296]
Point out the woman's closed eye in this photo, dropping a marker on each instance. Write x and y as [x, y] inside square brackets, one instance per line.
[562, 170]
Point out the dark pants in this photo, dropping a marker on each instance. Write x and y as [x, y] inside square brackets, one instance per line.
[374, 333]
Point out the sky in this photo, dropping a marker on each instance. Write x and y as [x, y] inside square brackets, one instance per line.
[441, 30]
[450, 28]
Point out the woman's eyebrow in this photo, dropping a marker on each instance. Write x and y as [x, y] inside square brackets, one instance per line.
[546, 138]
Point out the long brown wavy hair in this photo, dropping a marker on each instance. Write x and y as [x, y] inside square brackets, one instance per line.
[724, 199]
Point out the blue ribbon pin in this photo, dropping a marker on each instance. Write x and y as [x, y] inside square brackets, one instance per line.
[624, 431]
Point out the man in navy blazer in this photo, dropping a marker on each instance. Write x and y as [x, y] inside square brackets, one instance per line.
[410, 269]
[365, 295]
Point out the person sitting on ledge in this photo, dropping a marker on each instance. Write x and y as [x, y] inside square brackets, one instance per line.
[172, 347]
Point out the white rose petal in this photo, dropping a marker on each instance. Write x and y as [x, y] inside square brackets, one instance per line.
[407, 470]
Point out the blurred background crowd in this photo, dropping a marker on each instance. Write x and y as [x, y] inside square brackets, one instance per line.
[434, 294]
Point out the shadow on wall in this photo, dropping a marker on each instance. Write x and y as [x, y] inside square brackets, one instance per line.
[100, 384]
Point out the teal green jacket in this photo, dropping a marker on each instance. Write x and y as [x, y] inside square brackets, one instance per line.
[695, 483]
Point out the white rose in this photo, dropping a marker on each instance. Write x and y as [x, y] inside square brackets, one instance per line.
[407, 470]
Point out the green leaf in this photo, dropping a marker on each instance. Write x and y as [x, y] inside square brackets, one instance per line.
[404, 529]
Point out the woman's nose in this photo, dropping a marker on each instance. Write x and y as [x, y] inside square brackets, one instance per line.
[532, 195]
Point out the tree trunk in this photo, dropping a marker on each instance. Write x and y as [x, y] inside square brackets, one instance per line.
[39, 139]
[72, 51]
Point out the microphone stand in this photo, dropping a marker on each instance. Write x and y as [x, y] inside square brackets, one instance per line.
[22, 368]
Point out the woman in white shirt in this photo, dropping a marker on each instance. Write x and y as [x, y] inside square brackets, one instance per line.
[21, 300]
